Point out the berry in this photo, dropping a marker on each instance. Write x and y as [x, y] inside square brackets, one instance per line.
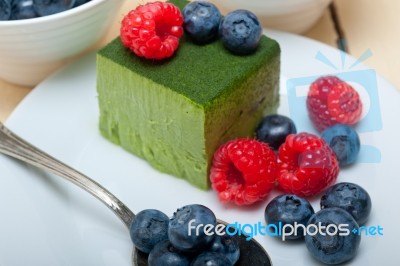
[23, 9]
[344, 142]
[317, 101]
[201, 21]
[152, 30]
[289, 209]
[187, 219]
[243, 171]
[331, 101]
[165, 254]
[49, 7]
[5, 9]
[227, 246]
[350, 197]
[274, 129]
[307, 165]
[211, 259]
[240, 31]
[148, 228]
[344, 104]
[80, 2]
[332, 245]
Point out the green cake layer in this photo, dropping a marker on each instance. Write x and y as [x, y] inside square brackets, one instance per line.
[176, 113]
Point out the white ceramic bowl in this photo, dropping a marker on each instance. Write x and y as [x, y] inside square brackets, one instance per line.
[295, 16]
[33, 48]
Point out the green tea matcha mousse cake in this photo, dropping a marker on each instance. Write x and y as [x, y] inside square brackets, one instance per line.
[175, 113]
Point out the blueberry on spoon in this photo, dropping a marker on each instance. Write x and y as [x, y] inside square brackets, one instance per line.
[226, 245]
[211, 259]
[148, 228]
[187, 219]
[165, 254]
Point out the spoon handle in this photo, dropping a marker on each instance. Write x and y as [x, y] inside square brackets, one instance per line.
[14, 146]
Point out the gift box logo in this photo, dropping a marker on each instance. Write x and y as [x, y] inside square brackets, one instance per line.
[364, 81]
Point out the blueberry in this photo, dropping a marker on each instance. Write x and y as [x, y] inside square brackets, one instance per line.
[211, 259]
[336, 243]
[22, 9]
[49, 7]
[227, 246]
[344, 141]
[201, 21]
[289, 209]
[274, 129]
[182, 229]
[165, 254]
[350, 197]
[5, 9]
[80, 2]
[148, 228]
[240, 31]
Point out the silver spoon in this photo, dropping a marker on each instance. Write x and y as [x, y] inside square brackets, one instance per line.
[251, 252]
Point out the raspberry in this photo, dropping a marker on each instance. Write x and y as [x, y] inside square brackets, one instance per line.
[243, 171]
[344, 104]
[152, 30]
[331, 101]
[306, 165]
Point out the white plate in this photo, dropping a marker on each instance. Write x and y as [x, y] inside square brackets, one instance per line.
[47, 221]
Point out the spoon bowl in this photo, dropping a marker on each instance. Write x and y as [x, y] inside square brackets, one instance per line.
[251, 252]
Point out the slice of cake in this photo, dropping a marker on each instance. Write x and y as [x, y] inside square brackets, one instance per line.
[175, 113]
